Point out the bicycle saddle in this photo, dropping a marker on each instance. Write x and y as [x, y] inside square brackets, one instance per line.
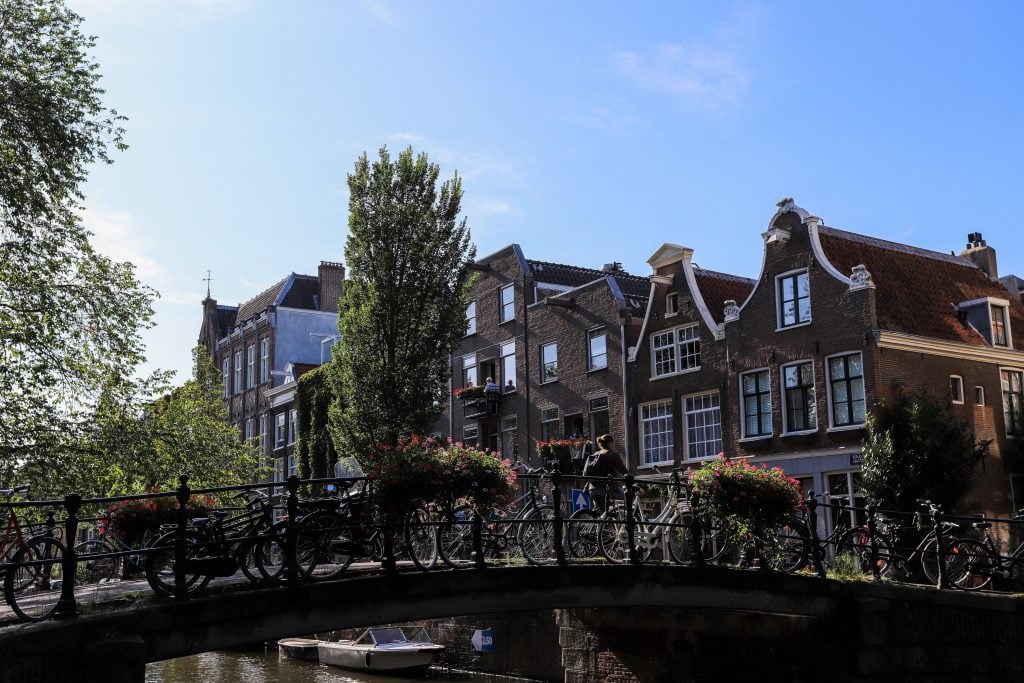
[982, 525]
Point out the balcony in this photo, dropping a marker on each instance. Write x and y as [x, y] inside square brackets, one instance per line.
[479, 404]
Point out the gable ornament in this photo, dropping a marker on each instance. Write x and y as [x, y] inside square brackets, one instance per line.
[732, 311]
[860, 279]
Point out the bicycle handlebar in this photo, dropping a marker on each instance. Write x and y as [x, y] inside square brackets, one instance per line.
[16, 489]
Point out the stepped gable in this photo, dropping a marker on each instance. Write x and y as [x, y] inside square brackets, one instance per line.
[717, 288]
[303, 293]
[917, 289]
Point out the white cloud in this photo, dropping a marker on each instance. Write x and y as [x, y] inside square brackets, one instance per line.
[116, 236]
[381, 10]
[483, 207]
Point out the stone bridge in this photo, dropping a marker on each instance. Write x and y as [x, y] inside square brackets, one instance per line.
[856, 631]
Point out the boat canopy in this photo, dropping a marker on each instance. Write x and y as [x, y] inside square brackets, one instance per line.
[389, 636]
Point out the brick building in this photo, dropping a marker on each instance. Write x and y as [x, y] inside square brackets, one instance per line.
[783, 368]
[266, 343]
[551, 337]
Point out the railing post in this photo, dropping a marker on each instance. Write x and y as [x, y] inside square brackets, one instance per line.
[875, 574]
[291, 532]
[183, 495]
[940, 546]
[696, 550]
[66, 605]
[556, 498]
[478, 540]
[630, 518]
[812, 530]
[51, 523]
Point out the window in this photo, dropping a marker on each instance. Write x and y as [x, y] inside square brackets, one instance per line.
[238, 371]
[507, 353]
[507, 296]
[671, 304]
[597, 409]
[279, 430]
[806, 484]
[509, 429]
[999, 336]
[250, 366]
[979, 395]
[1016, 493]
[794, 298]
[291, 427]
[597, 344]
[548, 424]
[1013, 400]
[845, 488]
[470, 434]
[263, 431]
[956, 389]
[264, 360]
[675, 350]
[846, 384]
[799, 407]
[226, 366]
[471, 318]
[656, 432]
[279, 469]
[549, 362]
[248, 430]
[756, 390]
[293, 466]
[469, 370]
[703, 425]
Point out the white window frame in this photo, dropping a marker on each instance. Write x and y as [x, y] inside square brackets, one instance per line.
[979, 395]
[264, 360]
[591, 336]
[263, 431]
[226, 366]
[503, 315]
[591, 412]
[293, 465]
[469, 363]
[557, 421]
[509, 431]
[1002, 396]
[953, 395]
[475, 430]
[676, 347]
[779, 326]
[1005, 306]
[250, 366]
[280, 430]
[686, 425]
[249, 429]
[503, 356]
[238, 371]
[851, 494]
[470, 318]
[645, 460]
[828, 392]
[292, 426]
[544, 378]
[786, 431]
[742, 407]
[671, 304]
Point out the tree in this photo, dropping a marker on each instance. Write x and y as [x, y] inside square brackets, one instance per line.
[403, 309]
[69, 317]
[916, 449]
[314, 449]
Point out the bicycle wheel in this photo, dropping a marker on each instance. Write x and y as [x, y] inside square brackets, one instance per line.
[583, 534]
[537, 536]
[978, 564]
[160, 564]
[715, 543]
[455, 538]
[33, 584]
[421, 539]
[612, 538]
[96, 571]
[856, 542]
[680, 550]
[955, 567]
[272, 554]
[789, 547]
[334, 538]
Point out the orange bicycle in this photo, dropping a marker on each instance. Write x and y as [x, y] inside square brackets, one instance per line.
[32, 568]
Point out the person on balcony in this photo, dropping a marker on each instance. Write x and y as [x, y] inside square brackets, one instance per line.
[490, 386]
[491, 396]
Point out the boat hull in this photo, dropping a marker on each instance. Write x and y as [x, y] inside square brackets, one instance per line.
[405, 660]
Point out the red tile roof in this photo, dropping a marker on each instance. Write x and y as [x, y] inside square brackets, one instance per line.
[917, 290]
[717, 288]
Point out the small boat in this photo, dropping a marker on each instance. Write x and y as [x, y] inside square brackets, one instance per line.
[298, 648]
[388, 650]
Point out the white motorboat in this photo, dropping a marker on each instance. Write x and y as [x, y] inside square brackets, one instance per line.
[383, 649]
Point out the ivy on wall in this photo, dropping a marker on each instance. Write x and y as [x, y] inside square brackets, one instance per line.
[314, 449]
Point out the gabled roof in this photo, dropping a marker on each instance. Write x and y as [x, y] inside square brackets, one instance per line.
[918, 290]
[717, 288]
[636, 291]
[294, 291]
[303, 293]
[260, 302]
[572, 276]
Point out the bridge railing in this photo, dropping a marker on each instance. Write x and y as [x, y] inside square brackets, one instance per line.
[284, 533]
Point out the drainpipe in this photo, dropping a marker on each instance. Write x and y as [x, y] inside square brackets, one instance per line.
[625, 389]
[451, 401]
[526, 367]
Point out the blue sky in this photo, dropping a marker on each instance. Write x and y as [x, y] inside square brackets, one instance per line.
[585, 131]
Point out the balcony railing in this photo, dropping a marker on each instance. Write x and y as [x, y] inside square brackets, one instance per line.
[488, 406]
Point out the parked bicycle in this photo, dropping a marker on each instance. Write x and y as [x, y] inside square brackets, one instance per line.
[32, 567]
[984, 563]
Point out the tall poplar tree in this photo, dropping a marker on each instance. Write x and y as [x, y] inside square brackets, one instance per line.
[403, 310]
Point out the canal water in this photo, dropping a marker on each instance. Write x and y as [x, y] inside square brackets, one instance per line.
[267, 667]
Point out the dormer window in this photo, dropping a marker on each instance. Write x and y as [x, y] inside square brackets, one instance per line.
[672, 304]
[998, 314]
[794, 299]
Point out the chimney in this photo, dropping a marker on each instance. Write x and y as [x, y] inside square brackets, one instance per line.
[613, 267]
[982, 255]
[332, 278]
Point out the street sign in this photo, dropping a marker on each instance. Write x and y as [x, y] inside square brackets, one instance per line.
[580, 499]
[482, 640]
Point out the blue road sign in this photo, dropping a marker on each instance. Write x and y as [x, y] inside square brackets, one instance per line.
[482, 640]
[580, 499]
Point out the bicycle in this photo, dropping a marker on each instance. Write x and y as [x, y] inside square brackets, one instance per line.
[984, 562]
[33, 571]
[106, 558]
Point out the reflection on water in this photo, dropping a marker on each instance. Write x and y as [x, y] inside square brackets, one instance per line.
[266, 667]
